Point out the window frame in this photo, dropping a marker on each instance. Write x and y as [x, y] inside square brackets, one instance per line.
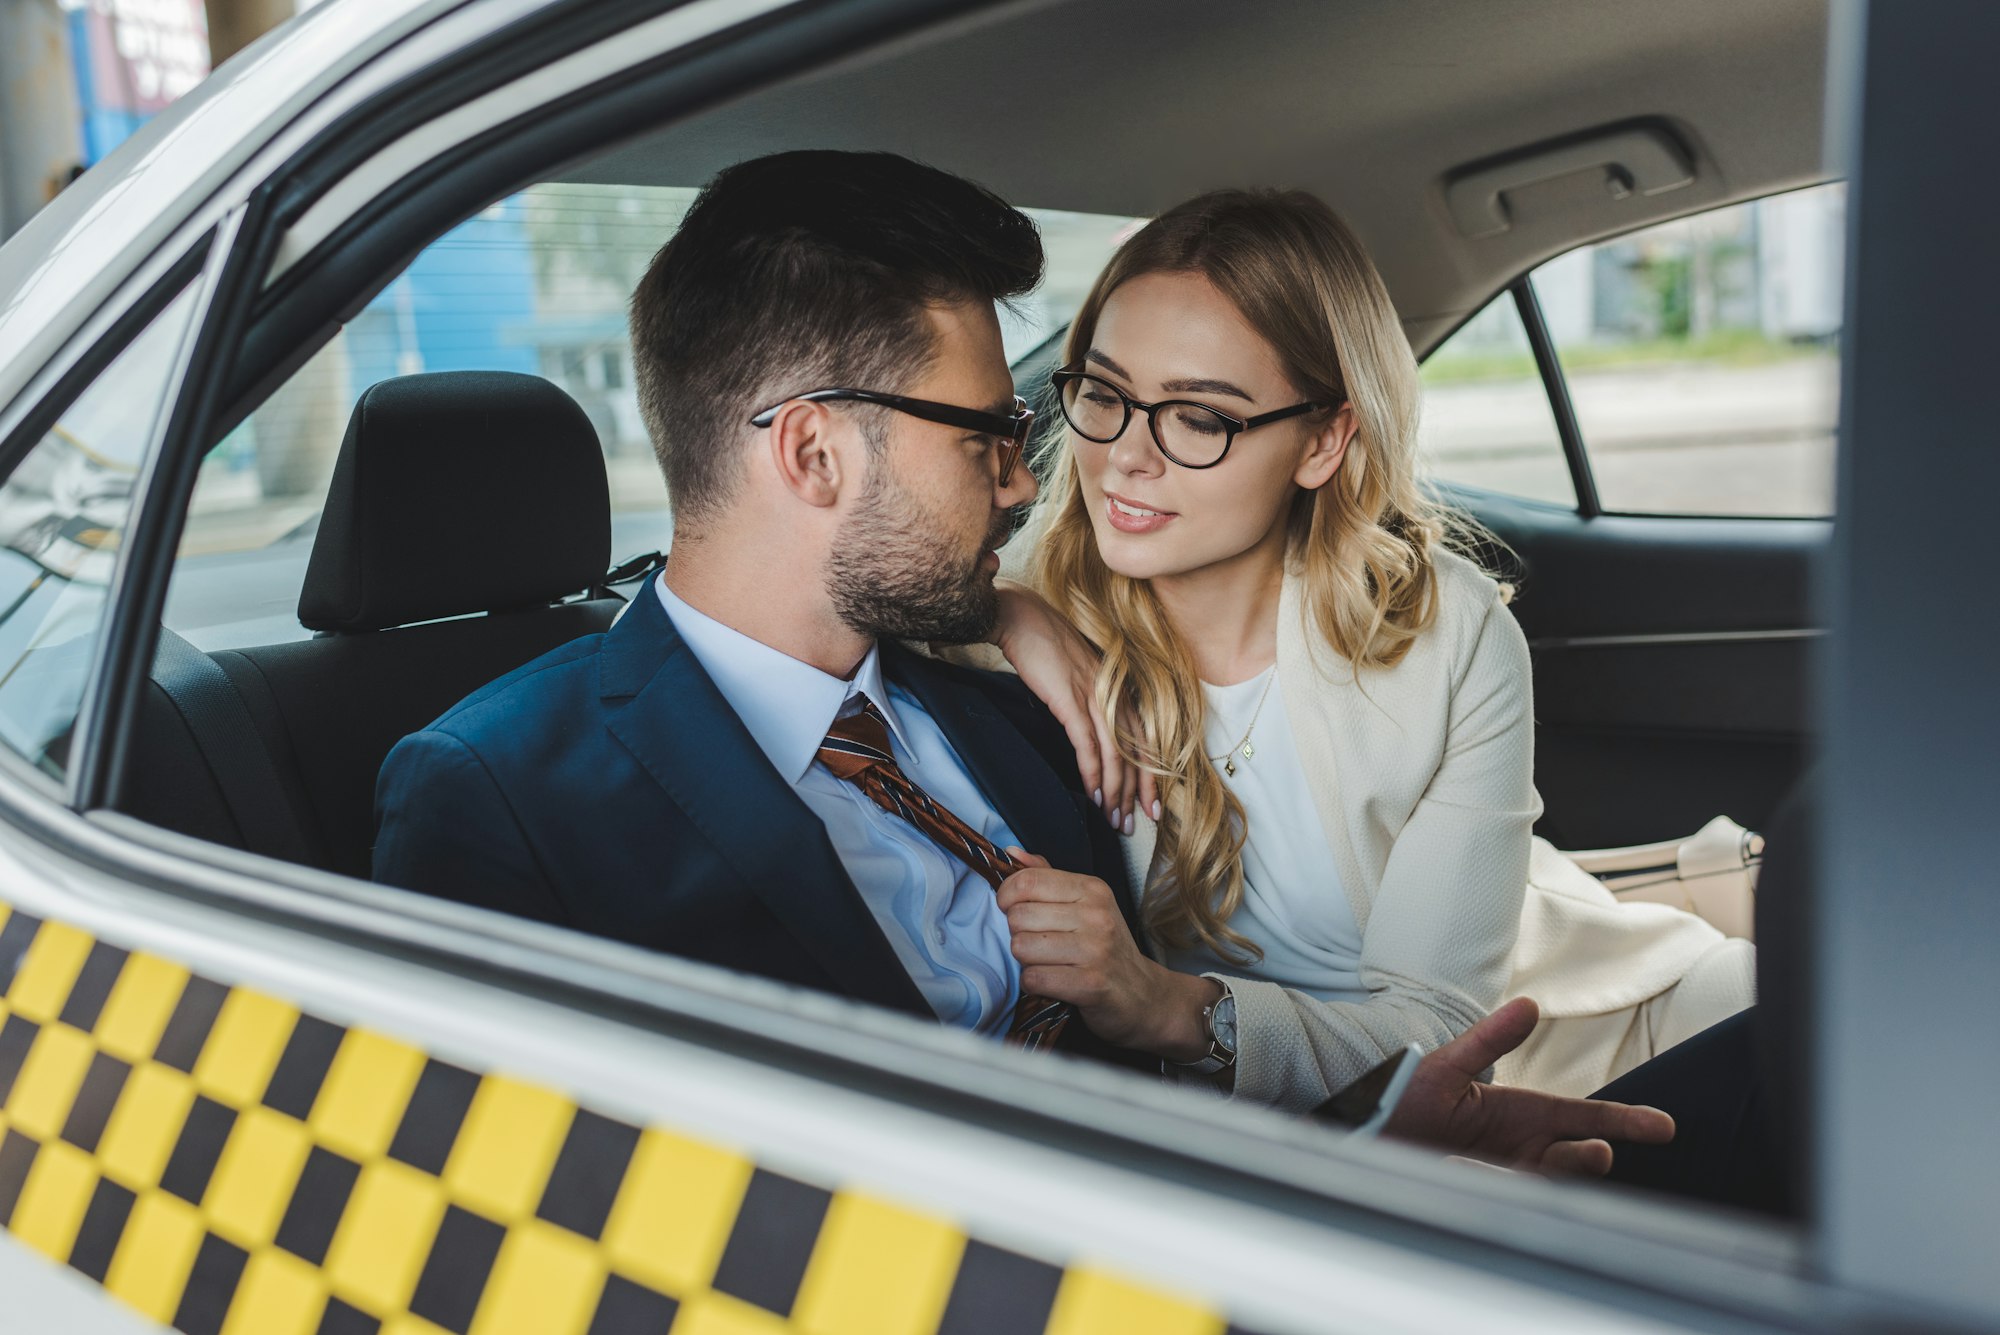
[1528, 310]
[1684, 1271]
[70, 377]
[1900, 1032]
[1556, 385]
[139, 581]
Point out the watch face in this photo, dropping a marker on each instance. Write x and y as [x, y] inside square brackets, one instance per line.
[1222, 1021]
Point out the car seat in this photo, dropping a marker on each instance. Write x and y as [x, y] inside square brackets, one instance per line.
[467, 531]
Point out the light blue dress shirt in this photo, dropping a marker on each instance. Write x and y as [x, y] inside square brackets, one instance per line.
[939, 915]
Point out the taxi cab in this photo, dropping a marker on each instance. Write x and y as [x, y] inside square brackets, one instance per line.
[245, 1090]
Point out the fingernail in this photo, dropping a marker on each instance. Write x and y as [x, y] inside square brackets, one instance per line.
[1097, 797]
[1128, 822]
[1156, 809]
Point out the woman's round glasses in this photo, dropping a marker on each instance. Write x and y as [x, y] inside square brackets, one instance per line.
[1190, 434]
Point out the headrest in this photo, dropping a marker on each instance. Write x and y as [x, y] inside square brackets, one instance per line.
[457, 492]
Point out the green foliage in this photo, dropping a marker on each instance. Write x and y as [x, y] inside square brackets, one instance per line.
[1672, 284]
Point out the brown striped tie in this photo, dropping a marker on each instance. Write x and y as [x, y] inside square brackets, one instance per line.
[856, 749]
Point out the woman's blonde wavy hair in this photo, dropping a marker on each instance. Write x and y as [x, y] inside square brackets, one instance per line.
[1364, 542]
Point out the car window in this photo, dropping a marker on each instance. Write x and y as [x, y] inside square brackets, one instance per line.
[1702, 356]
[1486, 418]
[1076, 246]
[63, 514]
[537, 283]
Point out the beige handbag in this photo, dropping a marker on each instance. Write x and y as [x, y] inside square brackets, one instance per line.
[1712, 874]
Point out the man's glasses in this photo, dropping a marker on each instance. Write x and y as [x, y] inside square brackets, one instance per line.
[1190, 434]
[1010, 431]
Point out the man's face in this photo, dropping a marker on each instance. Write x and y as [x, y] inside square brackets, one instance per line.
[916, 557]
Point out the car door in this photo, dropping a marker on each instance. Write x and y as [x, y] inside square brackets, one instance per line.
[244, 1095]
[1646, 425]
[884, 1160]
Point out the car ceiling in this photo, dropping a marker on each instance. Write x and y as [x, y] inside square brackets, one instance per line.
[1127, 106]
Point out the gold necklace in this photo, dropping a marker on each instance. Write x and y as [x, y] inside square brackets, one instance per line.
[1243, 748]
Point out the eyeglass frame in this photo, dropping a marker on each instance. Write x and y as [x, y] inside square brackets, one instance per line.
[1011, 432]
[1235, 425]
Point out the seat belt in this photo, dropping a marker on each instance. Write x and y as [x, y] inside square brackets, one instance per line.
[627, 572]
[232, 748]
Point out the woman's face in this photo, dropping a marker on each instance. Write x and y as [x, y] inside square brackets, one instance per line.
[1175, 336]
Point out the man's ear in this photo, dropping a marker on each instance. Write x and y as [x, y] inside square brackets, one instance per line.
[813, 451]
[1327, 448]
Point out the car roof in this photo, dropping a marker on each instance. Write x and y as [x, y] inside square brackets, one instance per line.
[1128, 106]
[1112, 106]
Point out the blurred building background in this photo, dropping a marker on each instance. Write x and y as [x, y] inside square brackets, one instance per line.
[1766, 271]
[132, 58]
[77, 77]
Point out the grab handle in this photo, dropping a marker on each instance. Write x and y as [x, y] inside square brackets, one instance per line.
[1644, 160]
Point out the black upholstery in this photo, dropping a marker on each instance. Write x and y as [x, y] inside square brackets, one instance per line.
[454, 493]
[1785, 900]
[168, 783]
[219, 724]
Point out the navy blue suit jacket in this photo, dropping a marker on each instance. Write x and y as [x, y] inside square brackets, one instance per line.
[609, 787]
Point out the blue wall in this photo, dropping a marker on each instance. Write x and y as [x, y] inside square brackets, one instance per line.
[456, 306]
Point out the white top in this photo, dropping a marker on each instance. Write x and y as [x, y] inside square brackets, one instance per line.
[1422, 776]
[1294, 907]
[940, 916]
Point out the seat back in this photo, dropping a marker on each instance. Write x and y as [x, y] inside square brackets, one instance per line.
[464, 508]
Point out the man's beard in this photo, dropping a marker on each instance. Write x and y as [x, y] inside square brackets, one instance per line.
[893, 576]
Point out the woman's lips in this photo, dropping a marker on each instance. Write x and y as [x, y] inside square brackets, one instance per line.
[1131, 517]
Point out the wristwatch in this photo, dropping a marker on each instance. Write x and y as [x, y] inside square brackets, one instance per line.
[1220, 1018]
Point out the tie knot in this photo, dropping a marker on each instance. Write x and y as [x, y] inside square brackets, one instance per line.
[857, 742]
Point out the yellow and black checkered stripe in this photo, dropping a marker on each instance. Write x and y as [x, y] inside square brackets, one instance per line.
[228, 1165]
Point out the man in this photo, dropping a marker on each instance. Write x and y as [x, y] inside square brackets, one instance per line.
[747, 768]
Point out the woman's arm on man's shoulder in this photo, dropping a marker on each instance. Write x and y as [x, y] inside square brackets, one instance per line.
[1033, 641]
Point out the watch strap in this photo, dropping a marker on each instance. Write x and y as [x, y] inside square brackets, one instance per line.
[1220, 1056]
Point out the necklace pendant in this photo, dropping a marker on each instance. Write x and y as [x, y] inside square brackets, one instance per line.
[1248, 750]
[1229, 766]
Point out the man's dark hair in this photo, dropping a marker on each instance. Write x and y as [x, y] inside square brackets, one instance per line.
[803, 271]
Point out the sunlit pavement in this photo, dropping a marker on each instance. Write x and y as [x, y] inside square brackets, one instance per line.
[1690, 438]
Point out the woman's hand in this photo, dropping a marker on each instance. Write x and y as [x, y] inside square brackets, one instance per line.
[1060, 667]
[1073, 946]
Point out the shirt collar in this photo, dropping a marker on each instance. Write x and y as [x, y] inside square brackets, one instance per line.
[786, 704]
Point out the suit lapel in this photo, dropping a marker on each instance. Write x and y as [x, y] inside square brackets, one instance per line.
[1007, 769]
[664, 708]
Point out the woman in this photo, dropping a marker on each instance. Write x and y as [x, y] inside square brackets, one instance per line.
[1331, 704]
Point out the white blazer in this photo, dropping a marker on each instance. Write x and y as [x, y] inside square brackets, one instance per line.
[1423, 778]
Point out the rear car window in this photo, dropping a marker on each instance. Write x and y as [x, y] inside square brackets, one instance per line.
[1703, 357]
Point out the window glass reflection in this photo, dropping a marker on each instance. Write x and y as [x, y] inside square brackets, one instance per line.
[63, 515]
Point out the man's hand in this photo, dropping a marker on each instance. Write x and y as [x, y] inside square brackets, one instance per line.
[1073, 946]
[1448, 1107]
